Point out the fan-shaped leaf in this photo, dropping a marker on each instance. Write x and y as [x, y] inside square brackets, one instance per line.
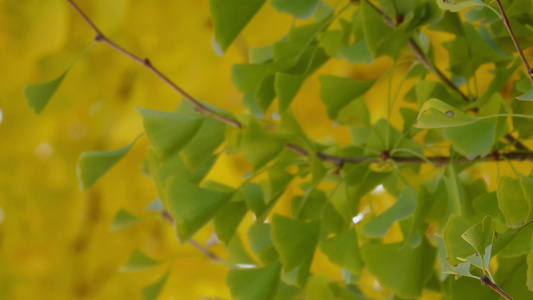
[93, 164]
[438, 114]
[169, 132]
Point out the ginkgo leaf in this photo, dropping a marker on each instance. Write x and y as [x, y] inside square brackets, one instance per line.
[527, 96]
[38, 95]
[254, 284]
[138, 261]
[457, 5]
[477, 235]
[260, 146]
[152, 291]
[230, 17]
[343, 250]
[298, 8]
[93, 164]
[169, 132]
[402, 269]
[191, 206]
[295, 241]
[513, 204]
[438, 114]
[530, 272]
[123, 219]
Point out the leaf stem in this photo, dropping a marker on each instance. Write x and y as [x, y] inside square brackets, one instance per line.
[515, 41]
[486, 281]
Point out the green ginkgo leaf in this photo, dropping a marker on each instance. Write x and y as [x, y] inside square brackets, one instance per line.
[123, 219]
[152, 291]
[169, 132]
[230, 17]
[527, 96]
[93, 164]
[438, 114]
[38, 95]
[297, 8]
[457, 5]
[138, 261]
[254, 284]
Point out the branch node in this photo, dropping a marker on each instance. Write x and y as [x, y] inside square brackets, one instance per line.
[147, 62]
[485, 280]
[385, 155]
[399, 19]
[99, 37]
[495, 156]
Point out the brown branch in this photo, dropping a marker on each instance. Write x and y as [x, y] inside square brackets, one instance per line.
[100, 37]
[486, 281]
[437, 160]
[515, 41]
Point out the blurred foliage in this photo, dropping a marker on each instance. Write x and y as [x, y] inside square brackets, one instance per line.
[55, 240]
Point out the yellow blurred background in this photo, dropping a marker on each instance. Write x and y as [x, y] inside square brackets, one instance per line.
[55, 241]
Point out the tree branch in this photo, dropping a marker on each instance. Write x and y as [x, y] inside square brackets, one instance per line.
[437, 160]
[515, 41]
[100, 37]
[337, 160]
[486, 281]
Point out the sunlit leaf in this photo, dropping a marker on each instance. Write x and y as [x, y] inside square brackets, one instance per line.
[254, 284]
[192, 206]
[138, 261]
[123, 219]
[296, 242]
[169, 132]
[93, 164]
[437, 114]
[230, 17]
[152, 291]
[38, 95]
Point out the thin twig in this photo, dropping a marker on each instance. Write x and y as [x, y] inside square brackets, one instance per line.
[486, 281]
[515, 41]
[437, 160]
[100, 37]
